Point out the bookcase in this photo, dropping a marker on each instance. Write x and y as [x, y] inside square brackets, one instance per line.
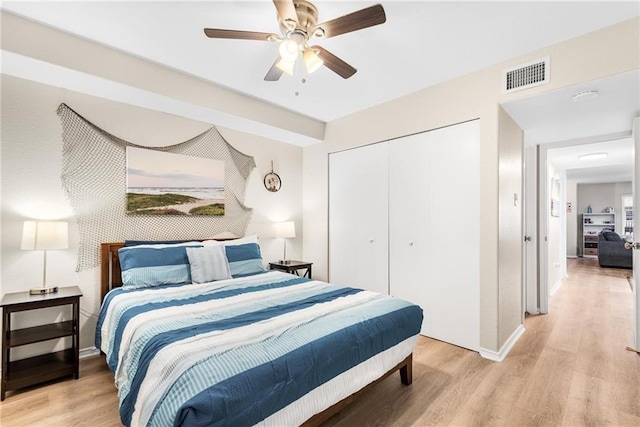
[592, 225]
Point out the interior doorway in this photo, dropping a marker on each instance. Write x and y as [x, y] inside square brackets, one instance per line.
[553, 121]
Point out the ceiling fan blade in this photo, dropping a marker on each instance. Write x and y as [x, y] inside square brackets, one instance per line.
[216, 33]
[368, 17]
[286, 10]
[274, 72]
[334, 63]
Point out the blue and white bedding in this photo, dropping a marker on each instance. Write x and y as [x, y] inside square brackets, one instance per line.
[270, 348]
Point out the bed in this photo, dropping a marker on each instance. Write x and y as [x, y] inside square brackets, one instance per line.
[264, 348]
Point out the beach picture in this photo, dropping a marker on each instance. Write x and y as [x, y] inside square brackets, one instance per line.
[160, 183]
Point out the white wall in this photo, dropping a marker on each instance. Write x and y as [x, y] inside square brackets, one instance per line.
[556, 232]
[571, 194]
[32, 189]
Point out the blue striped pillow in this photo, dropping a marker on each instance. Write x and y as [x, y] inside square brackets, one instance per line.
[244, 260]
[145, 266]
[208, 264]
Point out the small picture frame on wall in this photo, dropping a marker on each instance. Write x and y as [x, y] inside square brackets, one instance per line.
[272, 181]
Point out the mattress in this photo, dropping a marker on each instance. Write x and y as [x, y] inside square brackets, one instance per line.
[268, 349]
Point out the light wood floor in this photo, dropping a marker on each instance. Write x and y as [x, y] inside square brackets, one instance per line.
[569, 368]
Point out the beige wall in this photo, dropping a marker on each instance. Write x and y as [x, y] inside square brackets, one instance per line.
[31, 187]
[600, 54]
[510, 226]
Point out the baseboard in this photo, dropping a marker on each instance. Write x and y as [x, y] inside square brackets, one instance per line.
[88, 352]
[555, 287]
[506, 348]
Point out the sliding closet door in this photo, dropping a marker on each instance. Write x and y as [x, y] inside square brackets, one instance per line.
[434, 229]
[358, 218]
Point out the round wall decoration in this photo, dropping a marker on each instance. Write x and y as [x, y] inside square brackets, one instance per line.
[272, 181]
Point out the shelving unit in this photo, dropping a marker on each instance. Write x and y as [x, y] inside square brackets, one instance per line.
[627, 212]
[38, 369]
[592, 225]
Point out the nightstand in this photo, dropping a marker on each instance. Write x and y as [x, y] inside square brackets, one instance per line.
[45, 367]
[292, 267]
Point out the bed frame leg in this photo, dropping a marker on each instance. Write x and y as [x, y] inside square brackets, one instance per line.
[406, 372]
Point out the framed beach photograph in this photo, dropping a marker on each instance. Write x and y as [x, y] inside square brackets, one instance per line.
[160, 183]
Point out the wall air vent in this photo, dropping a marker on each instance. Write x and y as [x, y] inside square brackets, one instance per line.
[525, 76]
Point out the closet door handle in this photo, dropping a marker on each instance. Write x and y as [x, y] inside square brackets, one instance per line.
[411, 243]
[370, 239]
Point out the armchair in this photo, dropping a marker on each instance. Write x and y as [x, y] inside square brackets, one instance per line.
[611, 251]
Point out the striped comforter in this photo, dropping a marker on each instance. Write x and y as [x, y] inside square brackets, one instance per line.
[240, 351]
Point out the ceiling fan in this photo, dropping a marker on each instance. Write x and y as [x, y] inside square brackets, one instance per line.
[298, 21]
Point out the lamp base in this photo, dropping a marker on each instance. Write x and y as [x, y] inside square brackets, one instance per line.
[284, 261]
[43, 291]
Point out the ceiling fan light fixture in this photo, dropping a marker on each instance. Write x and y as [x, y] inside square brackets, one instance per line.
[286, 66]
[311, 60]
[289, 50]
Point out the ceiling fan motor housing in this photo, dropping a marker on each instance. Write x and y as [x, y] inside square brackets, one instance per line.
[307, 19]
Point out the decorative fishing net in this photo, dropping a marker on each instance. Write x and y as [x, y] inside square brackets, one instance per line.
[94, 179]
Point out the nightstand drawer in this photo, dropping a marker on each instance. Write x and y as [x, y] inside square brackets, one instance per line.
[591, 251]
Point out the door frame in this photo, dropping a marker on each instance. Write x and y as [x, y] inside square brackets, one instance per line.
[635, 194]
[543, 208]
[530, 224]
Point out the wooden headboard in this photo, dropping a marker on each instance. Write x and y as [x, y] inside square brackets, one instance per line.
[110, 273]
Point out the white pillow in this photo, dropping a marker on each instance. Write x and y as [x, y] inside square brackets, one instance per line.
[208, 264]
[164, 245]
[223, 235]
[252, 238]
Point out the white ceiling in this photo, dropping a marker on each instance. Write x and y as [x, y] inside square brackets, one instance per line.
[555, 118]
[421, 44]
[616, 167]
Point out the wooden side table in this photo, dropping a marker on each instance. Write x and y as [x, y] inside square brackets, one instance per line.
[45, 367]
[292, 267]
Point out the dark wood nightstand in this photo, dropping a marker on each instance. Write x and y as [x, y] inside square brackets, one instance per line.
[292, 267]
[46, 367]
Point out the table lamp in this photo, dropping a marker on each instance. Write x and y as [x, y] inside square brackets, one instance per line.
[44, 236]
[285, 230]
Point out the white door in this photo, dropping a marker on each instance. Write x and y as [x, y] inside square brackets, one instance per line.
[358, 218]
[410, 270]
[636, 234]
[434, 229]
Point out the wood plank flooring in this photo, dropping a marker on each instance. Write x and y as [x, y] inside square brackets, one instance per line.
[570, 368]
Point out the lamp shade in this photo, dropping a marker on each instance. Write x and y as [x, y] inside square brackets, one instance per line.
[285, 230]
[311, 60]
[45, 235]
[286, 66]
